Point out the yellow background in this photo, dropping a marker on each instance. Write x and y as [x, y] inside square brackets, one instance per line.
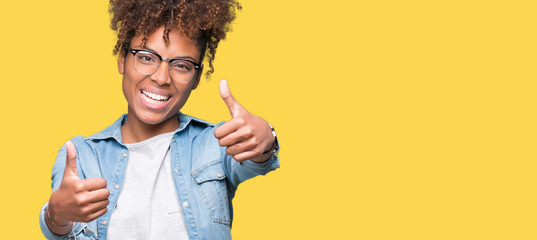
[397, 119]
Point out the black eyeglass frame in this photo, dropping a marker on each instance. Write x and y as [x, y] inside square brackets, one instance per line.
[169, 60]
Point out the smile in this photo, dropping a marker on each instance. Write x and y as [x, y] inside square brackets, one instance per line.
[154, 98]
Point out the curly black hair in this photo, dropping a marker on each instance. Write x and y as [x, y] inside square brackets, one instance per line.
[206, 22]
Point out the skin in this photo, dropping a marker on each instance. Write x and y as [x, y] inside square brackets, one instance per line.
[80, 200]
[246, 136]
[144, 122]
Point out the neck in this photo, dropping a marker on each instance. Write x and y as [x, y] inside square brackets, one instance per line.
[134, 130]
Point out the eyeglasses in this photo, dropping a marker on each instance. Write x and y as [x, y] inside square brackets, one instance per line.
[147, 62]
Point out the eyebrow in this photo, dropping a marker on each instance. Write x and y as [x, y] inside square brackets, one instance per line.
[155, 52]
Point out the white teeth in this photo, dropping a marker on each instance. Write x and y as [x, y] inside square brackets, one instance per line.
[155, 96]
[152, 101]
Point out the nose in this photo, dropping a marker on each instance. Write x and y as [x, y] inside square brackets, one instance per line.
[162, 75]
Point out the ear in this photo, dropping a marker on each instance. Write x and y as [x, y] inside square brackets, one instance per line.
[198, 77]
[121, 62]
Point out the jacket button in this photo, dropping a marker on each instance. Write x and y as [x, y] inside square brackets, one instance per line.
[219, 175]
[124, 154]
[176, 170]
[173, 139]
[185, 204]
[117, 186]
[104, 223]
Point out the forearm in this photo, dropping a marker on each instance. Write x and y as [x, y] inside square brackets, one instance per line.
[47, 231]
[56, 226]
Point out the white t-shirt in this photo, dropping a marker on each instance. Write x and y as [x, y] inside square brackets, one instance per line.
[148, 207]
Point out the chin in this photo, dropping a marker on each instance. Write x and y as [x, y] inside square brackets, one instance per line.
[153, 119]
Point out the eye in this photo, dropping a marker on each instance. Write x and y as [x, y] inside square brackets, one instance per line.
[146, 58]
[181, 66]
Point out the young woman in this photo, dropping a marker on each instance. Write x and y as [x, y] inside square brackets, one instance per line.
[157, 173]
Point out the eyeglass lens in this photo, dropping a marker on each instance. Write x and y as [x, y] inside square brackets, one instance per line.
[147, 63]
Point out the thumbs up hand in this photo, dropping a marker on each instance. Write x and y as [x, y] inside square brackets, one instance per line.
[246, 136]
[77, 200]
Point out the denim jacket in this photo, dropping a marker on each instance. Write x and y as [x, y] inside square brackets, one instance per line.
[205, 177]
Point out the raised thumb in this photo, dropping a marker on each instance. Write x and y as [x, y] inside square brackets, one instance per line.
[230, 101]
[70, 161]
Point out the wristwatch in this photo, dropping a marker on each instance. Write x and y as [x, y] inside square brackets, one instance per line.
[275, 146]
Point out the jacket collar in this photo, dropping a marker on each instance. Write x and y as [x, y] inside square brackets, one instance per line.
[114, 130]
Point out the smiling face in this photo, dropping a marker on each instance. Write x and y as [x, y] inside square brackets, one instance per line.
[154, 100]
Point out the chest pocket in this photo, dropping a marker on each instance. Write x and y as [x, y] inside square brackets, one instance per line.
[211, 181]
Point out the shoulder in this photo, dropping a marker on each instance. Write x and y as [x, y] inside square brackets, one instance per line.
[112, 131]
[196, 126]
[106, 140]
[199, 134]
[196, 120]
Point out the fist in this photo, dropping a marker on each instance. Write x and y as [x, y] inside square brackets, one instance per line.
[246, 136]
